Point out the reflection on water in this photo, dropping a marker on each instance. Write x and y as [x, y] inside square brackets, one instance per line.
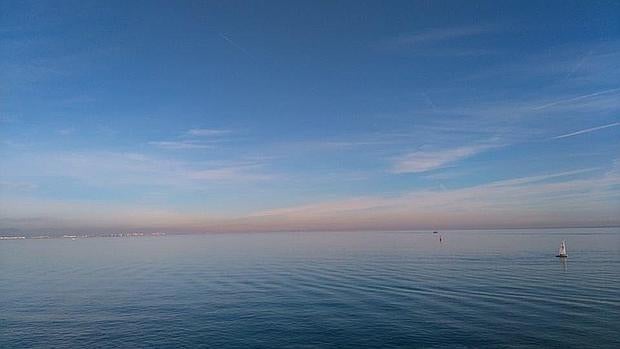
[484, 289]
[564, 263]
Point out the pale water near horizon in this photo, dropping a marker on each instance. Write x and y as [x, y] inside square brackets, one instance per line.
[477, 289]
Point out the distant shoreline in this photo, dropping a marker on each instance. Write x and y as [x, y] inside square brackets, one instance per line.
[13, 237]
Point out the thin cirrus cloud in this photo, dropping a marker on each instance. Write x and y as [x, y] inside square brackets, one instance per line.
[214, 135]
[515, 201]
[587, 130]
[423, 161]
[180, 145]
[206, 132]
[576, 99]
[435, 35]
[118, 169]
[65, 131]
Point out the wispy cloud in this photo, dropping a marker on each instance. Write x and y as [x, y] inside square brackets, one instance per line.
[245, 172]
[423, 161]
[119, 169]
[348, 144]
[440, 35]
[540, 178]
[587, 130]
[561, 198]
[575, 99]
[514, 202]
[212, 136]
[562, 63]
[176, 145]
[205, 132]
[66, 131]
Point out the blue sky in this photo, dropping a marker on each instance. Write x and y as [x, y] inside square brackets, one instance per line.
[243, 116]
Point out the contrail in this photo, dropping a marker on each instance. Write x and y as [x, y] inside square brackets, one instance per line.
[234, 44]
[587, 130]
[576, 98]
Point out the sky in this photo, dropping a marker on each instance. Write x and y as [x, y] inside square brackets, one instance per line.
[209, 116]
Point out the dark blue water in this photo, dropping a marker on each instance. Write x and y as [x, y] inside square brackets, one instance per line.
[486, 289]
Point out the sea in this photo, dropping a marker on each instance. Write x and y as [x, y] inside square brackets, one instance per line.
[473, 289]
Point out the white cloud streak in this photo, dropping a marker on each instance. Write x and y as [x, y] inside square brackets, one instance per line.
[568, 197]
[66, 131]
[576, 99]
[423, 161]
[206, 132]
[213, 135]
[557, 198]
[441, 34]
[587, 130]
[180, 145]
[117, 169]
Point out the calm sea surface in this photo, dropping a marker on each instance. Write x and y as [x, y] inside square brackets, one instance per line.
[477, 289]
